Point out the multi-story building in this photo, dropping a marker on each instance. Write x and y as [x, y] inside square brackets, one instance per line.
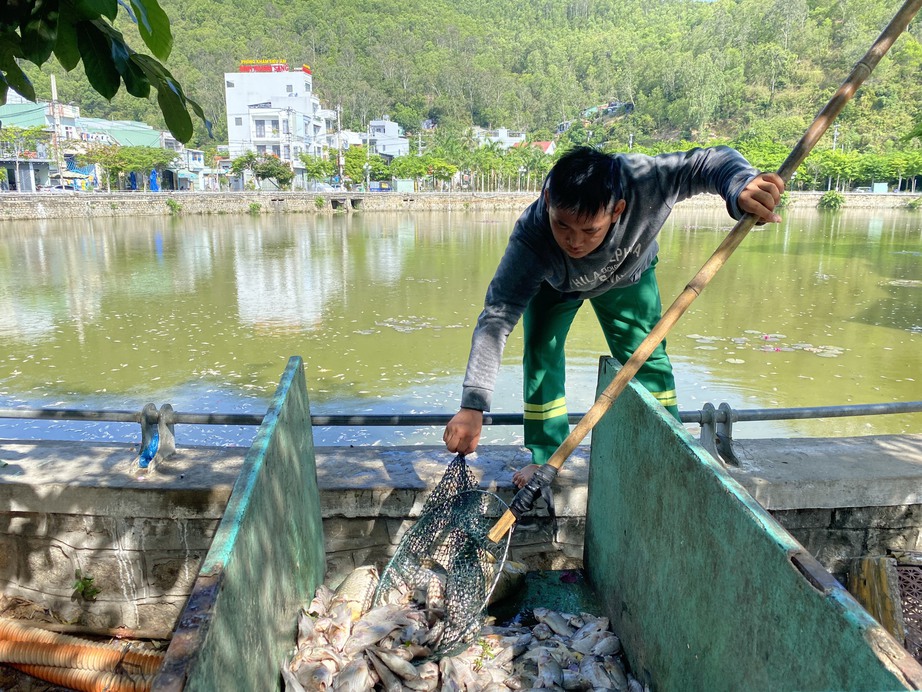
[273, 110]
[385, 138]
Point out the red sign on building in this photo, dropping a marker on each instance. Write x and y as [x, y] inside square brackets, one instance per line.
[264, 66]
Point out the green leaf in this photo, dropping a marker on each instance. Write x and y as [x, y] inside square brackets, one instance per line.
[174, 111]
[96, 51]
[154, 27]
[93, 9]
[65, 49]
[15, 77]
[136, 81]
[41, 31]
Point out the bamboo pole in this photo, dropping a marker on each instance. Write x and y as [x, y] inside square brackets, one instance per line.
[802, 149]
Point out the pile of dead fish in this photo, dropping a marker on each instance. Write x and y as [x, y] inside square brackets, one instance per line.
[345, 645]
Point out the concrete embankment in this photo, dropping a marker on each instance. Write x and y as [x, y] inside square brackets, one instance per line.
[104, 204]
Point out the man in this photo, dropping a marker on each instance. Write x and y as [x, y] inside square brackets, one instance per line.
[591, 235]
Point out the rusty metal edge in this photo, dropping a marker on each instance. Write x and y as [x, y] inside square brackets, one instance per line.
[888, 649]
[190, 633]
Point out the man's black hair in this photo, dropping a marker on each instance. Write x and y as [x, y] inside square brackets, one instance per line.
[584, 181]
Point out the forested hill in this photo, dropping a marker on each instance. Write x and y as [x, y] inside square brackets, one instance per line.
[690, 69]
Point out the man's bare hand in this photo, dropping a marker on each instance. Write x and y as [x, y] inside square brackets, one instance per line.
[521, 477]
[463, 431]
[761, 196]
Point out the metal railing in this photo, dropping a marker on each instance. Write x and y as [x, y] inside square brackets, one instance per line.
[158, 425]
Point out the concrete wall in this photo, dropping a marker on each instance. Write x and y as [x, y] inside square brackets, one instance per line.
[705, 589]
[101, 204]
[836, 536]
[72, 507]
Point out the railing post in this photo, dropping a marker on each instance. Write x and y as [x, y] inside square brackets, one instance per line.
[724, 434]
[166, 427]
[708, 435]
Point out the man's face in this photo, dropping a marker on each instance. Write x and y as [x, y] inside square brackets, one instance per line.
[580, 235]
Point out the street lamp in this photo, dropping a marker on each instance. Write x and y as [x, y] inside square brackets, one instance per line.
[522, 170]
[367, 169]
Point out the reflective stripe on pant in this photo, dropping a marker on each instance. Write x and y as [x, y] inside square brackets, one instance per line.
[626, 315]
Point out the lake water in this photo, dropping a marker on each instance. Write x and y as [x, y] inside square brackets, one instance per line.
[204, 312]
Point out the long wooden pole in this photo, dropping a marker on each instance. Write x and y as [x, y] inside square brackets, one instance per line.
[802, 149]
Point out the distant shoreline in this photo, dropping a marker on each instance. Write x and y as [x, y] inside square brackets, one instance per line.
[26, 206]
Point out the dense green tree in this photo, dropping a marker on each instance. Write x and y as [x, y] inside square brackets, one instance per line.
[143, 160]
[264, 167]
[79, 31]
[270, 167]
[315, 167]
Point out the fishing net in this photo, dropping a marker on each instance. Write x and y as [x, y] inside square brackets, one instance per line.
[445, 561]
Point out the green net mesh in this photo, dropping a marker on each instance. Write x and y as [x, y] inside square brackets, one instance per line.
[445, 561]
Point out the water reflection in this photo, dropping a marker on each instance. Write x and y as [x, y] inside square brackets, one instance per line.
[203, 313]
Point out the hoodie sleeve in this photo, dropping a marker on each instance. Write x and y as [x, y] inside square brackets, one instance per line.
[718, 170]
[516, 281]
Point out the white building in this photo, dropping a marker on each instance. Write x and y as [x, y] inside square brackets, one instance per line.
[385, 138]
[273, 110]
[502, 136]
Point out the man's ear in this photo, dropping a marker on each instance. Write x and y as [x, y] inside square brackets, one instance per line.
[620, 206]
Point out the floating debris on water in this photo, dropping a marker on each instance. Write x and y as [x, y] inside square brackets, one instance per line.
[344, 644]
[902, 283]
[766, 343]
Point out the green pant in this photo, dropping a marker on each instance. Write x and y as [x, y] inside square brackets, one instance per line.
[626, 315]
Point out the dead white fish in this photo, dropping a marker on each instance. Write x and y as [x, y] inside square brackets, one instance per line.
[354, 677]
[375, 626]
[587, 643]
[572, 680]
[616, 672]
[357, 590]
[633, 684]
[307, 632]
[450, 681]
[594, 673]
[388, 680]
[606, 646]
[556, 621]
[316, 678]
[591, 626]
[550, 673]
[542, 631]
[397, 664]
[428, 680]
[320, 604]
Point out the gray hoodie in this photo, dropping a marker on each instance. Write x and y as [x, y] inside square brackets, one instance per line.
[651, 186]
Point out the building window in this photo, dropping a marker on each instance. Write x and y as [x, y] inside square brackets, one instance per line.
[286, 152]
[275, 127]
[285, 129]
[289, 88]
[307, 87]
[261, 149]
[260, 128]
[275, 150]
[229, 85]
[238, 122]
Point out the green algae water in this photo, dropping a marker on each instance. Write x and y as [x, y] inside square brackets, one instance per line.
[203, 313]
